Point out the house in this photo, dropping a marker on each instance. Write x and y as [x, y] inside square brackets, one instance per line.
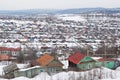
[45, 63]
[50, 63]
[79, 61]
[11, 51]
[107, 62]
[29, 72]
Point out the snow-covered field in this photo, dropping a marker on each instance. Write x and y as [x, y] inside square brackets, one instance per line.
[71, 17]
[94, 74]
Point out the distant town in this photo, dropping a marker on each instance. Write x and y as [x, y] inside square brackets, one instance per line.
[54, 43]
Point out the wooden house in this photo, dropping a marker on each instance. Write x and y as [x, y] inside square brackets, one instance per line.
[81, 62]
[106, 62]
[29, 72]
[45, 63]
[50, 63]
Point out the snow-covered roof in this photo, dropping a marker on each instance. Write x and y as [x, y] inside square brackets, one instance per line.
[29, 68]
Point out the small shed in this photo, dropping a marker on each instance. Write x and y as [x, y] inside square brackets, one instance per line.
[9, 70]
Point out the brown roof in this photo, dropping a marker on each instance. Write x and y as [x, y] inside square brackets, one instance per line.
[33, 63]
[45, 59]
[4, 57]
[55, 63]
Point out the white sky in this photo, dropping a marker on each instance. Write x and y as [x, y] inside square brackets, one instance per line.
[56, 4]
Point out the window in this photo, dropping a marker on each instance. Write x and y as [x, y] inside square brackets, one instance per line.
[89, 66]
[83, 66]
[41, 70]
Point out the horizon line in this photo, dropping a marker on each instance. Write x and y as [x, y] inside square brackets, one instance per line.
[55, 9]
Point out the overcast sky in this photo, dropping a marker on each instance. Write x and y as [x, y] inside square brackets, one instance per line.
[56, 4]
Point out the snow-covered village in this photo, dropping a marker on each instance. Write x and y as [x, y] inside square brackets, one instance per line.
[60, 46]
[44, 41]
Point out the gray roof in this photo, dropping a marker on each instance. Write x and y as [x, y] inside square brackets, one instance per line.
[10, 68]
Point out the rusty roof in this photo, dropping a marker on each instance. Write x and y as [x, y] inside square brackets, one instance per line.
[76, 57]
[9, 49]
[4, 57]
[45, 59]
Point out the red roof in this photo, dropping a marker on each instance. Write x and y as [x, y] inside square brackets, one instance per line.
[4, 57]
[9, 49]
[76, 58]
[105, 59]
